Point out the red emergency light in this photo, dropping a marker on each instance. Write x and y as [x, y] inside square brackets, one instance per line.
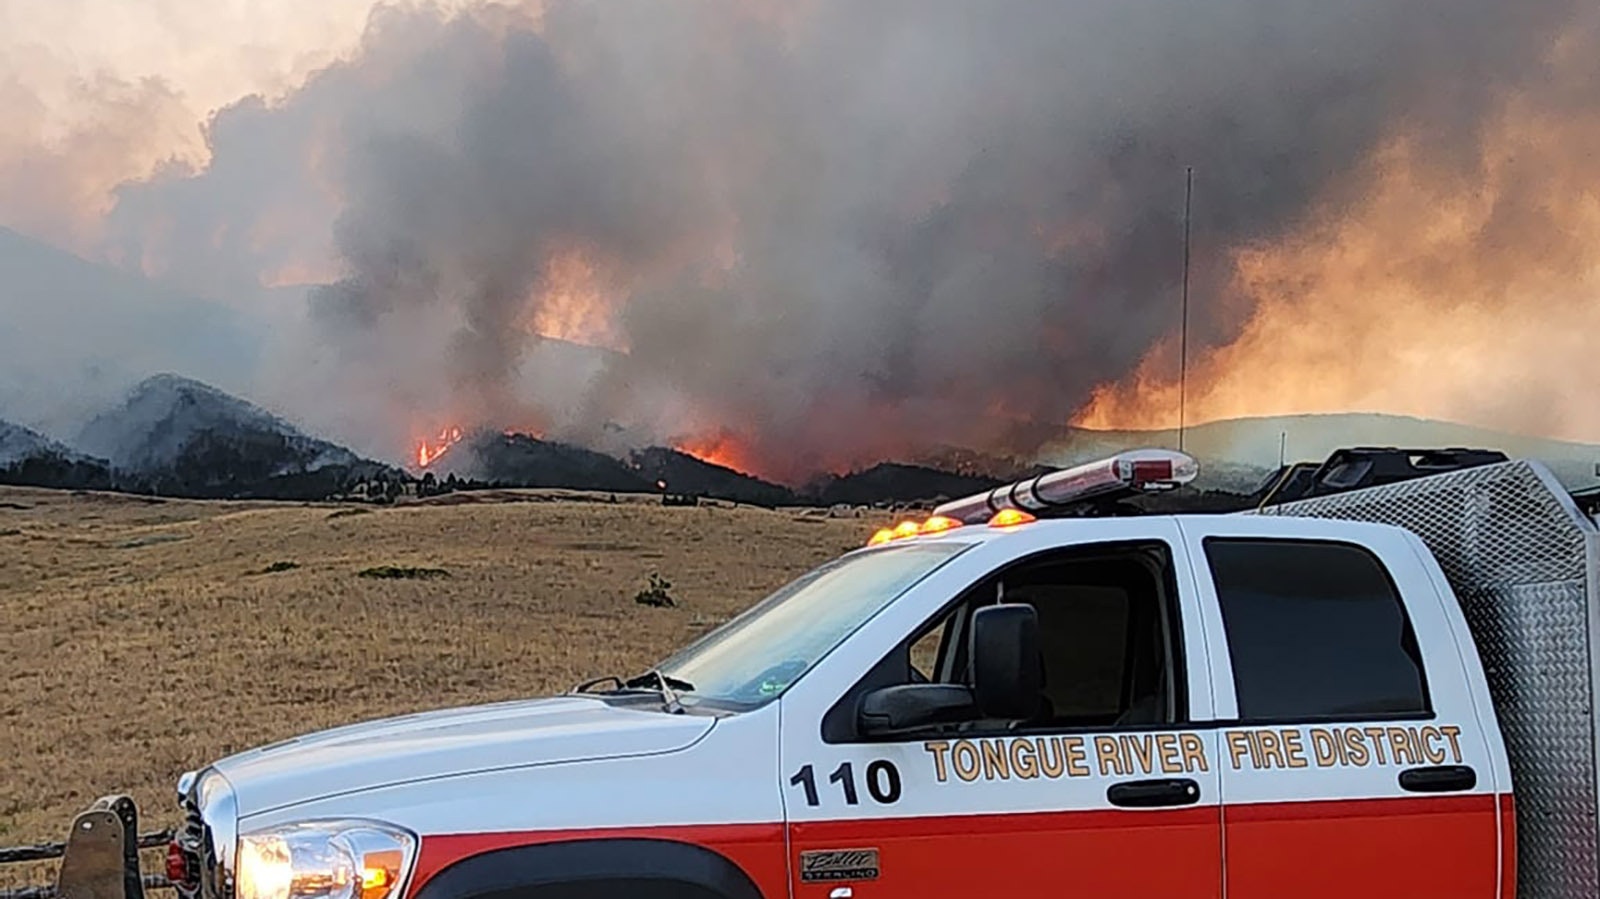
[1135, 471]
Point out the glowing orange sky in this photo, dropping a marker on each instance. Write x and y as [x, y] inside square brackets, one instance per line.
[98, 92]
[1408, 300]
[1472, 299]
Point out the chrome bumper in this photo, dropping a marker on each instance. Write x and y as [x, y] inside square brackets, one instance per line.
[209, 836]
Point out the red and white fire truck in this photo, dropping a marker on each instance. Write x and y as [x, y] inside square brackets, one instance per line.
[1383, 691]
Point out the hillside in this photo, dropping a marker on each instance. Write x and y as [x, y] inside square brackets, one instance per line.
[520, 460]
[179, 437]
[678, 472]
[28, 458]
[889, 482]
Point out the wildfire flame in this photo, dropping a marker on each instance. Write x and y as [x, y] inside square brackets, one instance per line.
[722, 449]
[573, 302]
[429, 452]
[1424, 294]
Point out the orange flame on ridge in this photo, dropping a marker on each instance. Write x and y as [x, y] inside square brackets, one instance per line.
[429, 452]
[723, 449]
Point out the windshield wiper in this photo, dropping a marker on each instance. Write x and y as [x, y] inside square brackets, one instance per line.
[667, 686]
[588, 685]
[652, 681]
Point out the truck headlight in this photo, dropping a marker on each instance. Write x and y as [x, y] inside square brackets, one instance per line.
[324, 860]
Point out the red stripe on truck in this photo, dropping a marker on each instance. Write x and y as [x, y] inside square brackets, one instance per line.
[1325, 809]
[991, 824]
[921, 857]
[1432, 847]
[1315, 845]
[1170, 853]
[1508, 846]
[756, 848]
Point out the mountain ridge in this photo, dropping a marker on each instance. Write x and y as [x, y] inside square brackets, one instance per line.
[28, 458]
[177, 436]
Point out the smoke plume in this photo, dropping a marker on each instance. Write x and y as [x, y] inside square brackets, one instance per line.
[828, 232]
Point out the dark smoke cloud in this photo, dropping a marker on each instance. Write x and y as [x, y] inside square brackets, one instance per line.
[836, 230]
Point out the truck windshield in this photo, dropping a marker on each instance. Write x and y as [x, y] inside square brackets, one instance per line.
[753, 658]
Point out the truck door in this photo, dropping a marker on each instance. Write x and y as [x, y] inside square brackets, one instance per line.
[1355, 762]
[1111, 789]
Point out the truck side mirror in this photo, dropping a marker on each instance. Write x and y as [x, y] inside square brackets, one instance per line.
[1007, 667]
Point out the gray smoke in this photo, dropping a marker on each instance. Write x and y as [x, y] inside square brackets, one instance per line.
[835, 230]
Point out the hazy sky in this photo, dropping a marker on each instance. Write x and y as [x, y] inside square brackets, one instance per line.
[136, 80]
[823, 230]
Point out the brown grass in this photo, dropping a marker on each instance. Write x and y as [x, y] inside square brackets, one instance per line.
[144, 638]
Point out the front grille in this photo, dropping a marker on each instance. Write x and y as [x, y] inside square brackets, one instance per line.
[192, 843]
[206, 838]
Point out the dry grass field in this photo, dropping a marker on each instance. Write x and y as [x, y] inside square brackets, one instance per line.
[144, 637]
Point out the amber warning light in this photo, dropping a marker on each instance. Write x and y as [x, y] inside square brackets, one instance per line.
[1135, 471]
[1010, 518]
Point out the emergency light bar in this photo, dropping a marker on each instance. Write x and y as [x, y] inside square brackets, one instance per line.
[1135, 471]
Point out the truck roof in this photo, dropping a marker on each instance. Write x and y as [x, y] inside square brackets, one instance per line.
[1158, 481]
[1077, 530]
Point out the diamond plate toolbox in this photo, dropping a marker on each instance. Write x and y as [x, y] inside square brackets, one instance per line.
[1522, 561]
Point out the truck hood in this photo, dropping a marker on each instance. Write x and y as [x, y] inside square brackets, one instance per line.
[451, 742]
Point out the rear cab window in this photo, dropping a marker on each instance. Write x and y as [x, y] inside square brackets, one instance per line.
[1317, 631]
[1354, 725]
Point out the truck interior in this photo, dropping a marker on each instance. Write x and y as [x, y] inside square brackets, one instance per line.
[1107, 635]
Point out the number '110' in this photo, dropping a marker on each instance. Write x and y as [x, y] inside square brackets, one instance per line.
[883, 782]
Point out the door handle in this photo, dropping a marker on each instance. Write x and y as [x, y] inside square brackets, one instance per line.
[1439, 779]
[1154, 793]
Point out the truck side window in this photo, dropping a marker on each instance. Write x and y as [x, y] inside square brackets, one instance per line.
[927, 650]
[1317, 631]
[1108, 634]
[1104, 635]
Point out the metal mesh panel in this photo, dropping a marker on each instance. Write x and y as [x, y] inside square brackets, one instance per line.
[1518, 555]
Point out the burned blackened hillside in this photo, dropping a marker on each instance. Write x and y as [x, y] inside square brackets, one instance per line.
[520, 460]
[893, 482]
[178, 437]
[30, 459]
[674, 471]
[974, 464]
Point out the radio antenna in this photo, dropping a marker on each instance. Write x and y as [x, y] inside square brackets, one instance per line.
[1183, 330]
